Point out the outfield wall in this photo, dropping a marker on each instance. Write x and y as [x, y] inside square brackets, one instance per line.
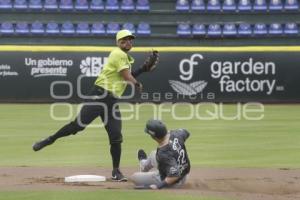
[188, 74]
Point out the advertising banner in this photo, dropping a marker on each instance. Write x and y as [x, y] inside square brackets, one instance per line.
[181, 76]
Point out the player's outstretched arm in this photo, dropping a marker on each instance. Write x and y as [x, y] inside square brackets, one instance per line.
[149, 64]
[165, 183]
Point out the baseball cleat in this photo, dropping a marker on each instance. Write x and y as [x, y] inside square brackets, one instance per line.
[118, 176]
[41, 144]
[142, 155]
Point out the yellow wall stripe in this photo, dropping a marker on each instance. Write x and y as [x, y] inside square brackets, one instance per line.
[34, 48]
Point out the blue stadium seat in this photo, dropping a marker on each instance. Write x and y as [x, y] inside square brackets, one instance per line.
[97, 5]
[35, 5]
[214, 30]
[184, 30]
[67, 28]
[129, 26]
[213, 5]
[66, 5]
[182, 5]
[22, 28]
[98, 28]
[229, 5]
[20, 5]
[198, 30]
[291, 5]
[52, 28]
[142, 5]
[112, 28]
[112, 5]
[244, 6]
[7, 28]
[260, 5]
[275, 5]
[6, 4]
[143, 29]
[81, 5]
[50, 5]
[229, 30]
[291, 29]
[83, 28]
[198, 5]
[244, 30]
[127, 5]
[275, 29]
[37, 28]
[260, 29]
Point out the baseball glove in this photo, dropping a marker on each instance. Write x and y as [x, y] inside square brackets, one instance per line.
[151, 61]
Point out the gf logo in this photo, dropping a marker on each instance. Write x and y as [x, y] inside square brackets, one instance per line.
[186, 66]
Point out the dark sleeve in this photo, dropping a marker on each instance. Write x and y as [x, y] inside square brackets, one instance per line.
[171, 167]
[136, 72]
[184, 134]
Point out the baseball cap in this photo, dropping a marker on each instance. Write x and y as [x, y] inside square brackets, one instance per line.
[156, 128]
[124, 33]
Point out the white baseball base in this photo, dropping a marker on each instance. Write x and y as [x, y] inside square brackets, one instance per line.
[85, 178]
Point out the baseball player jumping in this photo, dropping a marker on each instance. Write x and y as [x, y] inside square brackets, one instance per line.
[170, 158]
[108, 88]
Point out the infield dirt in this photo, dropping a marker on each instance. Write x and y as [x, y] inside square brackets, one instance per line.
[233, 183]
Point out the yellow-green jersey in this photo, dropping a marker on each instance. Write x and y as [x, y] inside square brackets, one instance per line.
[110, 78]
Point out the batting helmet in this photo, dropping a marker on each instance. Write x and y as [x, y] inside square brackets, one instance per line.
[124, 33]
[156, 128]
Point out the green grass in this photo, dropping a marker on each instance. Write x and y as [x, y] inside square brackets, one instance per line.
[115, 195]
[272, 142]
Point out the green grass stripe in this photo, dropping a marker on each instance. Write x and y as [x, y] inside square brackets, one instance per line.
[272, 142]
[102, 194]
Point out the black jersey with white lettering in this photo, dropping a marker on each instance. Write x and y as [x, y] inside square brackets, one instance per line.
[172, 159]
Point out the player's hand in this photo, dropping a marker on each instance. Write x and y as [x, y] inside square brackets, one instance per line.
[153, 187]
[138, 87]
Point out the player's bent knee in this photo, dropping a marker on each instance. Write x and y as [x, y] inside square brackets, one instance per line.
[134, 178]
[145, 178]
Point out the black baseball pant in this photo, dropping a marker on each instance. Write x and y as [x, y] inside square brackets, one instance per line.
[103, 106]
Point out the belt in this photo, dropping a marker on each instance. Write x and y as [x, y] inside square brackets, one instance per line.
[101, 91]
